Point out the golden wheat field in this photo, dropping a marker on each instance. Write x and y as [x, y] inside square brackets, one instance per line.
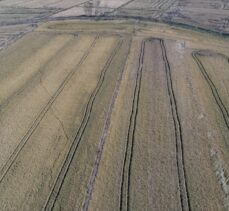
[103, 116]
[109, 106]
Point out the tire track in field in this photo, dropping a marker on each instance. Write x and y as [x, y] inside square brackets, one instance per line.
[212, 86]
[49, 205]
[104, 134]
[126, 171]
[182, 175]
[41, 115]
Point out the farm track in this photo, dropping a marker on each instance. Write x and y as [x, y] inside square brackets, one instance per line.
[212, 86]
[92, 179]
[182, 178]
[126, 172]
[41, 115]
[49, 205]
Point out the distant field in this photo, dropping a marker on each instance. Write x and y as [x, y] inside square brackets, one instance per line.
[18, 17]
[102, 115]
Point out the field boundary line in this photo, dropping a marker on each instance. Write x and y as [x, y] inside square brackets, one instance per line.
[49, 205]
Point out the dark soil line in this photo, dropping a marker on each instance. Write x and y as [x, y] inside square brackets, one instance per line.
[49, 205]
[37, 121]
[182, 175]
[213, 88]
[126, 171]
[104, 134]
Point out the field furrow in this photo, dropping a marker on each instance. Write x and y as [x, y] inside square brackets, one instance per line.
[182, 175]
[205, 135]
[64, 169]
[54, 141]
[108, 181]
[126, 173]
[154, 155]
[103, 138]
[88, 139]
[212, 86]
[58, 79]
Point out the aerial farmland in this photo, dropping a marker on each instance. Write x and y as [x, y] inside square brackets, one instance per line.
[114, 105]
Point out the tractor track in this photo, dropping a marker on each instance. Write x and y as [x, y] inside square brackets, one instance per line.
[104, 134]
[41, 115]
[182, 175]
[49, 205]
[212, 86]
[126, 171]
